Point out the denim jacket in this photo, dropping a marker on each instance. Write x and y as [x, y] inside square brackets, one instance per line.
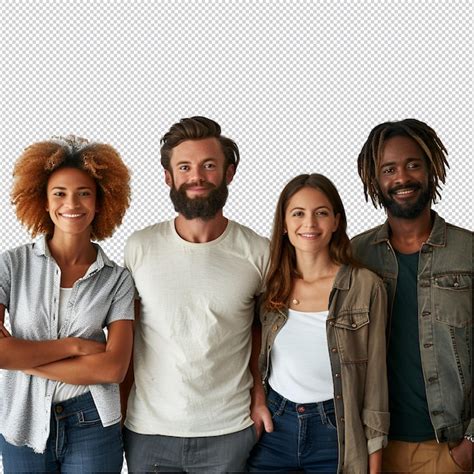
[355, 332]
[444, 317]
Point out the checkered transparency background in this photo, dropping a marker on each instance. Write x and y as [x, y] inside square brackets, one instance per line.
[297, 84]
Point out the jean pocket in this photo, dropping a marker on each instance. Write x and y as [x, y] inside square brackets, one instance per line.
[331, 420]
[88, 417]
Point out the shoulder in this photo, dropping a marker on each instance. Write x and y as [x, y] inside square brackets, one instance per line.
[458, 231]
[366, 236]
[361, 275]
[149, 233]
[249, 237]
[17, 254]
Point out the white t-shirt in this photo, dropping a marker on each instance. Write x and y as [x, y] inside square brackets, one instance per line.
[65, 391]
[300, 366]
[193, 340]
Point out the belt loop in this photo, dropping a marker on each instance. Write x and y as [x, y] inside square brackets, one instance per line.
[322, 413]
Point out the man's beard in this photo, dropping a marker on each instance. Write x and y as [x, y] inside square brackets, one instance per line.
[204, 208]
[406, 211]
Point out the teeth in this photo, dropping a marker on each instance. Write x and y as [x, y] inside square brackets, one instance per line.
[308, 235]
[404, 191]
[71, 215]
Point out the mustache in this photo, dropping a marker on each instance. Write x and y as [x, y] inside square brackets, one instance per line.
[204, 184]
[414, 186]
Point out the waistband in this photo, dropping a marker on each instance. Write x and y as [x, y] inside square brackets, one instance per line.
[73, 405]
[307, 408]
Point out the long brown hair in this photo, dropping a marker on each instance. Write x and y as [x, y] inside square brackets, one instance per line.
[283, 271]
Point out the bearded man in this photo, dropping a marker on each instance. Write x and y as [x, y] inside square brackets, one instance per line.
[197, 277]
[426, 265]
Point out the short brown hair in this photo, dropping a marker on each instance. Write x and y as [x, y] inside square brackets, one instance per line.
[283, 271]
[426, 138]
[197, 128]
[101, 162]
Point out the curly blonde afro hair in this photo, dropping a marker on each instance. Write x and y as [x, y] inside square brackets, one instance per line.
[101, 162]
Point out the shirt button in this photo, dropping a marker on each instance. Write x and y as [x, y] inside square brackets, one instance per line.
[334, 349]
[301, 409]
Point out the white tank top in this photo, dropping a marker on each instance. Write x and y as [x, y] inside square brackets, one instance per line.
[63, 390]
[300, 366]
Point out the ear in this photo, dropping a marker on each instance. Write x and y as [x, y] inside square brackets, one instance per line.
[229, 174]
[336, 224]
[168, 178]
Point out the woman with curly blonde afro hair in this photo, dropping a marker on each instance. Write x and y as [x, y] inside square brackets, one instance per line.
[60, 402]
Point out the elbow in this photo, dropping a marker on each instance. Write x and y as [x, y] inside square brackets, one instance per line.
[116, 374]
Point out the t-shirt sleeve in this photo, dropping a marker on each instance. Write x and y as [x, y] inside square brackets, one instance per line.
[122, 303]
[5, 279]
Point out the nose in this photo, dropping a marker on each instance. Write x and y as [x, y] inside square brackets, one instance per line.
[72, 200]
[402, 176]
[197, 175]
[310, 221]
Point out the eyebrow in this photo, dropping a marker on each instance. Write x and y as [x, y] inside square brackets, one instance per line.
[304, 209]
[391, 163]
[187, 162]
[62, 187]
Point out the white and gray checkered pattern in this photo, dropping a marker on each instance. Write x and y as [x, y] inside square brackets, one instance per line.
[298, 84]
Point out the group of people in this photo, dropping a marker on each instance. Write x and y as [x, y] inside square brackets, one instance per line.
[308, 353]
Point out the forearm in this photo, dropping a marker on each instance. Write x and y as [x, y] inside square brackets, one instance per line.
[375, 462]
[104, 367]
[257, 392]
[20, 354]
[84, 370]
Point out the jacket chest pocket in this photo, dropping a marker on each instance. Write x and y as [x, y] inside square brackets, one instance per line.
[452, 297]
[352, 331]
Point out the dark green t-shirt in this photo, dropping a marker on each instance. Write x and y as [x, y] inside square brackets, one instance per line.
[409, 416]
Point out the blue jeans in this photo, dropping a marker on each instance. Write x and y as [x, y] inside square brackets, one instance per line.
[304, 438]
[77, 443]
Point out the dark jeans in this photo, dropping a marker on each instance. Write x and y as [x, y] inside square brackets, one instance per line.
[77, 443]
[206, 455]
[304, 438]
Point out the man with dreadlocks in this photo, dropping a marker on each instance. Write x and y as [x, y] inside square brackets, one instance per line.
[426, 265]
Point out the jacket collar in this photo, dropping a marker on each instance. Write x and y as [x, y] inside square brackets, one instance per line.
[437, 236]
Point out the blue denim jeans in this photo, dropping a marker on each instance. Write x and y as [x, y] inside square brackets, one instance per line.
[304, 438]
[77, 443]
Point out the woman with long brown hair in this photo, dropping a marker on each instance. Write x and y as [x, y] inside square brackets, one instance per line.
[322, 357]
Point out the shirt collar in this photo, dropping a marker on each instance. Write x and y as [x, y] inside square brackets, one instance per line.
[41, 249]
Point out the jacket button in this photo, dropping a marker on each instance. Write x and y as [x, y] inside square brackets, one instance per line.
[436, 412]
[432, 379]
[456, 284]
[342, 419]
[426, 346]
[275, 327]
[334, 349]
[354, 325]
[338, 397]
[425, 313]
[331, 323]
[337, 375]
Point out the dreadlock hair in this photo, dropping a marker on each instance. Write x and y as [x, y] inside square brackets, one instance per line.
[426, 138]
[197, 128]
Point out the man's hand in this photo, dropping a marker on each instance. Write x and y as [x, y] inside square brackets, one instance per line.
[262, 418]
[462, 455]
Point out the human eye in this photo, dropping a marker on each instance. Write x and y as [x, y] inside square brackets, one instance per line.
[297, 214]
[183, 167]
[388, 170]
[59, 193]
[322, 213]
[413, 165]
[84, 193]
[209, 165]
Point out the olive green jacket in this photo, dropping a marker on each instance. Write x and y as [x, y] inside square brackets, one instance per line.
[445, 269]
[356, 339]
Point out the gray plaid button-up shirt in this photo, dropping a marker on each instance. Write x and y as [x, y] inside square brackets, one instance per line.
[29, 289]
